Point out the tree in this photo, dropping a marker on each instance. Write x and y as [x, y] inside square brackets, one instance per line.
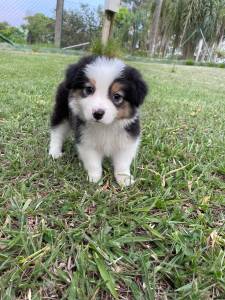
[200, 15]
[181, 21]
[40, 29]
[79, 26]
[122, 26]
[170, 25]
[131, 24]
[14, 34]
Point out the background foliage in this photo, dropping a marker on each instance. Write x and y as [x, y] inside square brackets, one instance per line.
[164, 28]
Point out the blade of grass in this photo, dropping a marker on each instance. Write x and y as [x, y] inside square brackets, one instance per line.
[106, 275]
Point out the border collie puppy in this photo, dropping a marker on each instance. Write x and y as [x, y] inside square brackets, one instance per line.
[99, 100]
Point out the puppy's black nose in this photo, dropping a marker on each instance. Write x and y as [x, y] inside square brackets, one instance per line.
[98, 114]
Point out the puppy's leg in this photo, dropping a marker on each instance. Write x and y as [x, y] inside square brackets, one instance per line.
[58, 135]
[122, 161]
[59, 122]
[92, 161]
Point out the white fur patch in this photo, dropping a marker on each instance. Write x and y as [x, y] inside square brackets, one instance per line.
[104, 71]
[100, 140]
[58, 135]
[107, 139]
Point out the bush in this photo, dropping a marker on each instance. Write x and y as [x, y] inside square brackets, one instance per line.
[142, 53]
[36, 48]
[14, 34]
[211, 64]
[112, 49]
[189, 62]
[222, 65]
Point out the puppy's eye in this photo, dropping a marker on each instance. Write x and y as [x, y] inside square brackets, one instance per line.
[117, 98]
[88, 90]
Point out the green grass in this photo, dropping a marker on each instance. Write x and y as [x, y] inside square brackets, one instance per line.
[163, 238]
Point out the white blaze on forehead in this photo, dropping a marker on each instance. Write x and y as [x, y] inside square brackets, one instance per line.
[104, 71]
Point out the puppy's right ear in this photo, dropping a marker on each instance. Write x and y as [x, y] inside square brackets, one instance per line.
[71, 76]
[75, 74]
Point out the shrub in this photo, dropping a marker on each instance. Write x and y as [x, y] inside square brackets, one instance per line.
[222, 65]
[189, 62]
[142, 53]
[112, 49]
[211, 64]
[36, 48]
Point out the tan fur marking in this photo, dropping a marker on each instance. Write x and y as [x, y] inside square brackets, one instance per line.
[124, 111]
[93, 82]
[78, 93]
[75, 94]
[116, 87]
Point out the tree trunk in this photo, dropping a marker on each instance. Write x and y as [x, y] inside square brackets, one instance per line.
[175, 43]
[154, 27]
[186, 23]
[204, 53]
[163, 45]
[188, 50]
[200, 44]
[220, 41]
[134, 38]
[212, 52]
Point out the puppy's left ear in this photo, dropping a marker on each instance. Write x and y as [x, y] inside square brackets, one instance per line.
[138, 86]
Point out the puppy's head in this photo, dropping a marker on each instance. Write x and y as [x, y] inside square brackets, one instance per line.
[104, 89]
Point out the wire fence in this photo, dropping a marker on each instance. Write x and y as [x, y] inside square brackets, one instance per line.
[33, 22]
[81, 22]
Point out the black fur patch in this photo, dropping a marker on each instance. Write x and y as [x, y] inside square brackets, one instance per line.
[74, 79]
[134, 128]
[77, 125]
[135, 88]
[75, 75]
[61, 109]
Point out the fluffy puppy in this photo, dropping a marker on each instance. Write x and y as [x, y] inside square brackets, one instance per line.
[99, 100]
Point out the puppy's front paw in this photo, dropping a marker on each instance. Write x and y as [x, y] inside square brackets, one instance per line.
[55, 154]
[94, 177]
[124, 179]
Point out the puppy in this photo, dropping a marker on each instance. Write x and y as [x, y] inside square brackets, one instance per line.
[99, 101]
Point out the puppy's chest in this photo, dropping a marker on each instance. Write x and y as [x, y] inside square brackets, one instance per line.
[106, 139]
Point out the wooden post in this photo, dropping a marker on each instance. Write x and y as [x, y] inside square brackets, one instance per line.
[111, 7]
[58, 23]
[107, 26]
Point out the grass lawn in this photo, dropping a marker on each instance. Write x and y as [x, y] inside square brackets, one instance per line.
[163, 238]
